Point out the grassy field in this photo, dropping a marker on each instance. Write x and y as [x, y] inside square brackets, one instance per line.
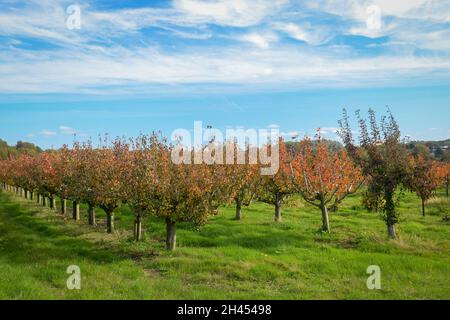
[254, 258]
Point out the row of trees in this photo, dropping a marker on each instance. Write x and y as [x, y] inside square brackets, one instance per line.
[141, 174]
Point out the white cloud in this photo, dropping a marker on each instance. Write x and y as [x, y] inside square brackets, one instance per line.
[124, 68]
[329, 130]
[42, 20]
[79, 65]
[67, 130]
[357, 9]
[410, 22]
[293, 30]
[425, 39]
[314, 35]
[262, 41]
[238, 13]
[184, 14]
[47, 133]
[46, 19]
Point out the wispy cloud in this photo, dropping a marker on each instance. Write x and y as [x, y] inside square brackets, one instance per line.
[67, 130]
[315, 35]
[237, 13]
[259, 43]
[328, 131]
[47, 133]
[262, 41]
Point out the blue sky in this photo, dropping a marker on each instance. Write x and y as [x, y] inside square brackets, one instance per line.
[138, 66]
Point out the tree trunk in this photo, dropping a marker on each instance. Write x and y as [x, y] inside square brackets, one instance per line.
[44, 201]
[423, 207]
[138, 227]
[31, 195]
[63, 206]
[38, 198]
[110, 221]
[446, 187]
[238, 210]
[75, 210]
[278, 201]
[26, 194]
[52, 203]
[391, 219]
[325, 220]
[91, 214]
[171, 235]
[391, 231]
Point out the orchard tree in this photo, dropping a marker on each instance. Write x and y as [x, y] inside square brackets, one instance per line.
[244, 176]
[3, 174]
[382, 157]
[9, 174]
[107, 173]
[14, 172]
[274, 189]
[143, 178]
[187, 193]
[67, 170]
[324, 178]
[87, 179]
[46, 176]
[447, 176]
[79, 178]
[427, 175]
[23, 166]
[247, 181]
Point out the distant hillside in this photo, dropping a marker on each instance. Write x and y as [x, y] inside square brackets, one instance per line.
[292, 146]
[20, 148]
[440, 150]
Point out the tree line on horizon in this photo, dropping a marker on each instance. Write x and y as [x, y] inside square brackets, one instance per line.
[21, 147]
[139, 173]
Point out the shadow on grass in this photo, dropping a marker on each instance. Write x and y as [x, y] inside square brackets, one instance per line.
[26, 239]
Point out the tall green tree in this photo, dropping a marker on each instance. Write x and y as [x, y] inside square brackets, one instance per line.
[383, 158]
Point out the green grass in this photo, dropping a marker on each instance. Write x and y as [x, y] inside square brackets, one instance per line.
[254, 258]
